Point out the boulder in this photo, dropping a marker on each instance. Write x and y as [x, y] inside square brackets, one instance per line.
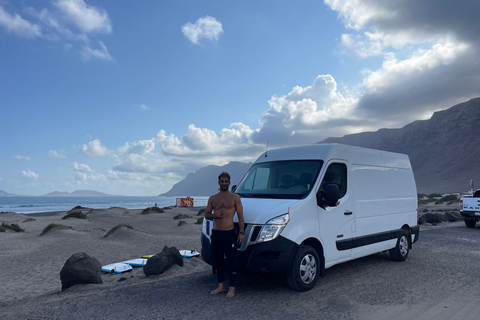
[434, 217]
[453, 216]
[161, 262]
[80, 268]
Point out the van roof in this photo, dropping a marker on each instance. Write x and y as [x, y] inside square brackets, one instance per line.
[328, 151]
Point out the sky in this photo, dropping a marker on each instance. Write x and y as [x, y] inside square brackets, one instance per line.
[127, 98]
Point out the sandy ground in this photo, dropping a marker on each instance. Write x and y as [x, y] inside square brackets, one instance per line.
[30, 263]
[437, 281]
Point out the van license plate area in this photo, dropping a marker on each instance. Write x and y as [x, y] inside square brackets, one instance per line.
[477, 213]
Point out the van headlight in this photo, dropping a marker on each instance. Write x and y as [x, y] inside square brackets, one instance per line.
[273, 227]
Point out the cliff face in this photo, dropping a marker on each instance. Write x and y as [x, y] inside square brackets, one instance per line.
[444, 150]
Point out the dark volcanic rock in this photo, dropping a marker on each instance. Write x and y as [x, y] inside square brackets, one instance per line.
[453, 216]
[161, 262]
[80, 268]
[434, 217]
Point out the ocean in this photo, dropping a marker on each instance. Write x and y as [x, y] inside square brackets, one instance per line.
[47, 204]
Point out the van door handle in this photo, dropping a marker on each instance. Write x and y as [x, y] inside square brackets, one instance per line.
[347, 213]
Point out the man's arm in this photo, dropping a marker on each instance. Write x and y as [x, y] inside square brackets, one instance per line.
[241, 222]
[209, 209]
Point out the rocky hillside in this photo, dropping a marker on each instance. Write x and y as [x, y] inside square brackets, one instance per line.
[444, 150]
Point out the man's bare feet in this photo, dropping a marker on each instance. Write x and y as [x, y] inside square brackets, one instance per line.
[230, 293]
[220, 288]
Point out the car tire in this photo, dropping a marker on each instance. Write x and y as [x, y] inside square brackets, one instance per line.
[305, 269]
[470, 223]
[400, 252]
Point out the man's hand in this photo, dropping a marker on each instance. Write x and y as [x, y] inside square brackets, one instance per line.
[218, 214]
[240, 238]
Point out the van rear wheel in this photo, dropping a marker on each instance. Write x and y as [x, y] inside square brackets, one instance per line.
[305, 269]
[400, 252]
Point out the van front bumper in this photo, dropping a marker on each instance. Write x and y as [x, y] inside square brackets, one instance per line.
[273, 256]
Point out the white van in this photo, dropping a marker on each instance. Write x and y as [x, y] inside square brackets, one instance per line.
[307, 208]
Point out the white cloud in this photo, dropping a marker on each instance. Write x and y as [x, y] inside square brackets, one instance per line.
[96, 149]
[83, 176]
[142, 107]
[19, 26]
[201, 141]
[19, 157]
[56, 154]
[68, 20]
[30, 174]
[87, 18]
[430, 51]
[81, 167]
[100, 53]
[206, 27]
[306, 114]
[138, 147]
[422, 61]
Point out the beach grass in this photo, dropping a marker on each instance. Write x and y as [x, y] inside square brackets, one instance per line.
[109, 233]
[154, 209]
[15, 227]
[51, 226]
[75, 214]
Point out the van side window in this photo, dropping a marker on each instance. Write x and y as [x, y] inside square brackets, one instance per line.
[336, 173]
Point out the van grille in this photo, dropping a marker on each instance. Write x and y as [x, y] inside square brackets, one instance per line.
[251, 235]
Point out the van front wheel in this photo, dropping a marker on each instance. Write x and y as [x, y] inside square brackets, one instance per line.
[400, 252]
[305, 269]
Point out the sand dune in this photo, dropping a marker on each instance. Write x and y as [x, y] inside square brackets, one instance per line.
[31, 262]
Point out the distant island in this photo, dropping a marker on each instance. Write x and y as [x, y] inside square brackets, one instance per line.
[77, 193]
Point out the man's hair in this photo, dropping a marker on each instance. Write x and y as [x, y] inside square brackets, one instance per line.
[224, 174]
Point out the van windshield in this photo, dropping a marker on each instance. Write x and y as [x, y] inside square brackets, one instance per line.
[292, 179]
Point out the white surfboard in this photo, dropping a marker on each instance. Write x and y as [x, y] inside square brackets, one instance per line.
[189, 253]
[136, 262]
[184, 253]
[118, 267]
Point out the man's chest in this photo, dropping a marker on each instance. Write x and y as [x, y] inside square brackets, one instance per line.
[226, 203]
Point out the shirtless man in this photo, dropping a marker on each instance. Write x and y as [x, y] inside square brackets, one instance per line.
[224, 238]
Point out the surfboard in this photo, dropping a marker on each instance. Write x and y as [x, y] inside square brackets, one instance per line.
[184, 253]
[136, 262]
[189, 253]
[118, 267]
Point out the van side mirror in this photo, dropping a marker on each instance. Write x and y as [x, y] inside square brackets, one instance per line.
[329, 196]
[234, 187]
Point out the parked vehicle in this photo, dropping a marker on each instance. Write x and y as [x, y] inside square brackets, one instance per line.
[470, 209]
[308, 208]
